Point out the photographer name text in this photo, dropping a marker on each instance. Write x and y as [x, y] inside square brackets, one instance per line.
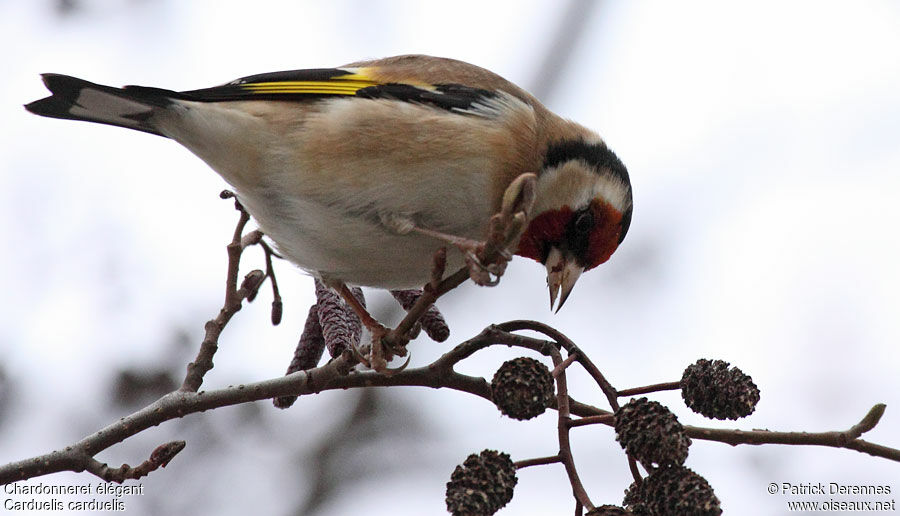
[832, 488]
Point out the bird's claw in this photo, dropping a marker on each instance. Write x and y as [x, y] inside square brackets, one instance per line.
[380, 352]
[484, 275]
[394, 370]
[360, 355]
[378, 355]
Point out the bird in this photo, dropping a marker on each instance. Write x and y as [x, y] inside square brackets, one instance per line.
[339, 166]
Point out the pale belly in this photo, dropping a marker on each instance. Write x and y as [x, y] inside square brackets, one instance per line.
[356, 249]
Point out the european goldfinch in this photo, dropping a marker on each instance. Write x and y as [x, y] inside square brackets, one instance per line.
[335, 164]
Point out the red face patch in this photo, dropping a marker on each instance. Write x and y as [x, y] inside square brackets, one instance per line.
[552, 228]
[546, 229]
[604, 238]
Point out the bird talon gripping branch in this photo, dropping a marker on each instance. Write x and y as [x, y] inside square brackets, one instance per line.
[337, 165]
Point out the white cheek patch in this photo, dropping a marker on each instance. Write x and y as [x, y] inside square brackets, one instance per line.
[575, 183]
[614, 190]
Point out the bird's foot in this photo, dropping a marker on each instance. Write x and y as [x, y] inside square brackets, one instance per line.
[504, 231]
[482, 272]
[487, 274]
[380, 351]
[487, 260]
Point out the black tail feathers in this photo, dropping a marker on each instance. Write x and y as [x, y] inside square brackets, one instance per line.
[131, 107]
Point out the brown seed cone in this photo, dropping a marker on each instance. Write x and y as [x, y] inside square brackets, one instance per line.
[307, 353]
[341, 327]
[710, 388]
[482, 485]
[432, 321]
[522, 388]
[673, 490]
[650, 433]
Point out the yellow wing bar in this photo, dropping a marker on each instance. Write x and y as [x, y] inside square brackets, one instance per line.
[318, 82]
[347, 84]
[329, 87]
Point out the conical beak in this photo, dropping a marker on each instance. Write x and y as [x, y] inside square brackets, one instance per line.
[561, 276]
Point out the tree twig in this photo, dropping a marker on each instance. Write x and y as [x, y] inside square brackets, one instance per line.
[647, 389]
[563, 426]
[538, 461]
[234, 297]
[605, 419]
[837, 439]
[158, 459]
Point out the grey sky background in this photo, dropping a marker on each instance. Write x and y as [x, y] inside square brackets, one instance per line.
[763, 142]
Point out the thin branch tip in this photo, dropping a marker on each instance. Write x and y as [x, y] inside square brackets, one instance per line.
[869, 421]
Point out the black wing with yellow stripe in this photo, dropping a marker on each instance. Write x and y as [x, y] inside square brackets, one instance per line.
[134, 106]
[325, 82]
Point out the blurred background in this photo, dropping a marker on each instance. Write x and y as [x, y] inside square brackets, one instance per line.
[763, 142]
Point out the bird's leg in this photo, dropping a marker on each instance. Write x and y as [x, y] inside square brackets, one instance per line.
[375, 360]
[487, 260]
[380, 353]
[364, 316]
[507, 226]
[472, 250]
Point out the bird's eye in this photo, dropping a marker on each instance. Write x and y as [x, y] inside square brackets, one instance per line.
[584, 222]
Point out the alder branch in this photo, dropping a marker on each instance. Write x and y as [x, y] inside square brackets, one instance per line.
[836, 439]
[735, 437]
[438, 374]
[333, 375]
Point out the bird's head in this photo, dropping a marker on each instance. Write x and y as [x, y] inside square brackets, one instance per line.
[581, 212]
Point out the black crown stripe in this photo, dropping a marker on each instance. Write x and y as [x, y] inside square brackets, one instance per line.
[596, 154]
